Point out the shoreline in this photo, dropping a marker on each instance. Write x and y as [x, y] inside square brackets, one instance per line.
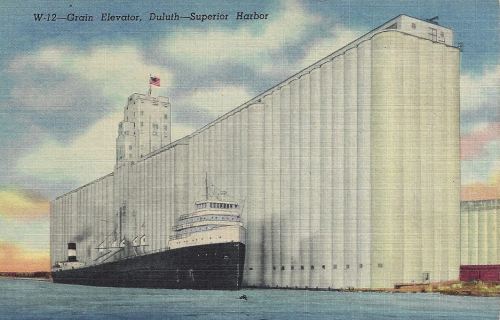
[454, 288]
[445, 291]
[27, 278]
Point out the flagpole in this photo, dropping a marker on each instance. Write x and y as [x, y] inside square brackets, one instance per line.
[149, 84]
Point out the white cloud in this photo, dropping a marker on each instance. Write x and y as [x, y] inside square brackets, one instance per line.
[244, 45]
[480, 96]
[338, 36]
[113, 72]
[92, 154]
[478, 127]
[480, 90]
[87, 157]
[218, 99]
[182, 130]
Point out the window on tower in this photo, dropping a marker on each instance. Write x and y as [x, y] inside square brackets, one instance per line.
[433, 34]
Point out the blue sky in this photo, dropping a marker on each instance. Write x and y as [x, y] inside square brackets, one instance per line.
[64, 84]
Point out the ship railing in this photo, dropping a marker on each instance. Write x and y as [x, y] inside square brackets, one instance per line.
[182, 226]
[180, 236]
[218, 211]
[187, 234]
[213, 223]
[205, 220]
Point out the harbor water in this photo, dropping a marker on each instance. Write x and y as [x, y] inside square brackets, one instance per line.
[31, 299]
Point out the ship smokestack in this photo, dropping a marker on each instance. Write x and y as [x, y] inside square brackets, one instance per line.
[71, 252]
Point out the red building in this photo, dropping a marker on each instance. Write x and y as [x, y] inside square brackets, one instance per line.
[480, 272]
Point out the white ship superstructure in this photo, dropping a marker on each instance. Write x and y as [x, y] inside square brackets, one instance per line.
[213, 221]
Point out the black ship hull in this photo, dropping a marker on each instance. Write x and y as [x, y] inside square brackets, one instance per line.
[213, 266]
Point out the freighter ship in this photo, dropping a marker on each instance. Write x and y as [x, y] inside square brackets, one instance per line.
[207, 251]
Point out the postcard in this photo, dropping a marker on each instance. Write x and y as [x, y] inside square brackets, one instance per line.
[263, 159]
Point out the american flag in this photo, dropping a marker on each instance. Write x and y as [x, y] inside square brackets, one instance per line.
[155, 81]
